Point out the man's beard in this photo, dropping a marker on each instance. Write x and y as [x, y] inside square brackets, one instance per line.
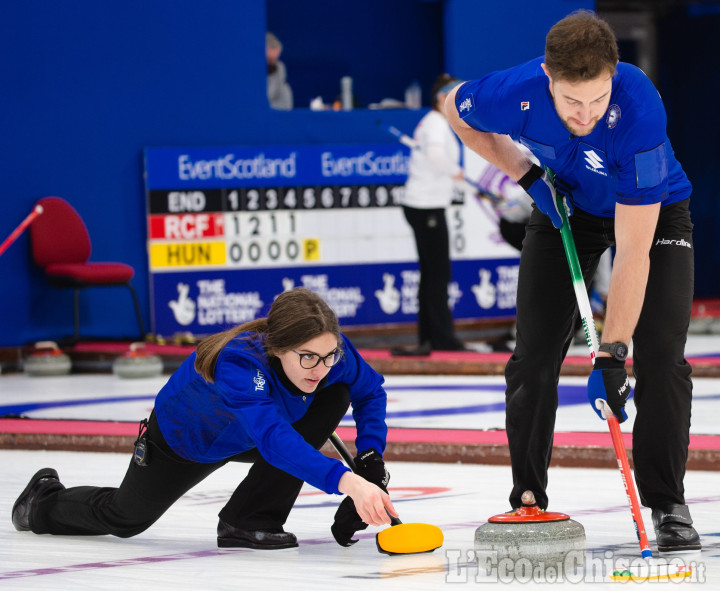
[582, 133]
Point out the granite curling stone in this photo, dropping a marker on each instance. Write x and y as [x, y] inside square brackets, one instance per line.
[545, 539]
[137, 363]
[47, 359]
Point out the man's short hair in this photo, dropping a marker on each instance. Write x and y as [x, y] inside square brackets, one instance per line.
[582, 46]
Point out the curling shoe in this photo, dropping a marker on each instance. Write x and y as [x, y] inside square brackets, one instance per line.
[673, 529]
[266, 539]
[21, 508]
[422, 350]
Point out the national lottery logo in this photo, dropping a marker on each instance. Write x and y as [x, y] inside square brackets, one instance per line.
[389, 296]
[183, 308]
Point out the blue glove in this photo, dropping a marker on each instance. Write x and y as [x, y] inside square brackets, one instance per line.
[565, 191]
[538, 185]
[609, 382]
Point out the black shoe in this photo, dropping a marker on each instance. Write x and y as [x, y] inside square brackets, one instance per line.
[21, 508]
[673, 529]
[268, 539]
[452, 347]
[422, 351]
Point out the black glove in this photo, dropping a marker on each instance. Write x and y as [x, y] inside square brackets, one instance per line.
[370, 465]
[609, 381]
[347, 522]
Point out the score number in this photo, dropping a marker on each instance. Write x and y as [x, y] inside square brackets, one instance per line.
[262, 239]
[268, 199]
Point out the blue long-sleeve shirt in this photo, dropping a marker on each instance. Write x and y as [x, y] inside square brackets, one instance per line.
[627, 158]
[248, 406]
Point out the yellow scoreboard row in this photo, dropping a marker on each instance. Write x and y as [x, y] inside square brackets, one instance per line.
[221, 253]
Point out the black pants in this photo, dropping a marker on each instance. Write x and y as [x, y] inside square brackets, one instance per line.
[546, 312]
[262, 500]
[435, 321]
[512, 232]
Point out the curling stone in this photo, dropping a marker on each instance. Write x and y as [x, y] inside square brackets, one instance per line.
[47, 360]
[184, 338]
[137, 363]
[544, 538]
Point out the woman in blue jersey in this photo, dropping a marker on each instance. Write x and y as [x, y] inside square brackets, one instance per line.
[268, 392]
[600, 125]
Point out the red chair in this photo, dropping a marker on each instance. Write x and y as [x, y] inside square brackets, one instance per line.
[61, 246]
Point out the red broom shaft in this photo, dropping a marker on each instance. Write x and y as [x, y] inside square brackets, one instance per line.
[622, 458]
[21, 228]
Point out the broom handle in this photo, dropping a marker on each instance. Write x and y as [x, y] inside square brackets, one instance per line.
[592, 341]
[343, 451]
[347, 456]
[627, 479]
[37, 210]
[406, 140]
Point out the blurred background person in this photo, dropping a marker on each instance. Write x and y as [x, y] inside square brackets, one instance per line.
[279, 93]
[434, 171]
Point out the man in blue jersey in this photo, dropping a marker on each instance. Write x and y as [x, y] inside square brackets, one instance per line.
[600, 125]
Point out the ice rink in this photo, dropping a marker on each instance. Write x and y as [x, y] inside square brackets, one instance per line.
[180, 552]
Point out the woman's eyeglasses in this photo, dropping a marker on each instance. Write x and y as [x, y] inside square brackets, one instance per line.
[310, 360]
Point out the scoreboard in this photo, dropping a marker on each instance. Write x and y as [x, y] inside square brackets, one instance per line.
[229, 228]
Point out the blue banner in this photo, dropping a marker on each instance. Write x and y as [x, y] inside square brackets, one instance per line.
[206, 302]
[275, 166]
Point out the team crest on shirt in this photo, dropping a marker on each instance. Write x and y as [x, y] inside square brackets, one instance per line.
[259, 380]
[466, 107]
[613, 116]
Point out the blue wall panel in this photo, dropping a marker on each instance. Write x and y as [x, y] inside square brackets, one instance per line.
[383, 45]
[690, 86]
[88, 85]
[482, 37]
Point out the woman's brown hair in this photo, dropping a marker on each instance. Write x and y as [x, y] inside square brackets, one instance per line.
[580, 47]
[295, 317]
[440, 82]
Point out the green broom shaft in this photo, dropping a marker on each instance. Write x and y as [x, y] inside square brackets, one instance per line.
[586, 315]
[593, 344]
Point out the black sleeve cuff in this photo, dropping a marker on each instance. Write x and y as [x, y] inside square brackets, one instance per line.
[531, 176]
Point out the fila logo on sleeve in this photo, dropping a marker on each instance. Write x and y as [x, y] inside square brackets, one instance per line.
[596, 163]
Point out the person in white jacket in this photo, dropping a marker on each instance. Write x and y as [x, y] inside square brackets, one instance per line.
[433, 171]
